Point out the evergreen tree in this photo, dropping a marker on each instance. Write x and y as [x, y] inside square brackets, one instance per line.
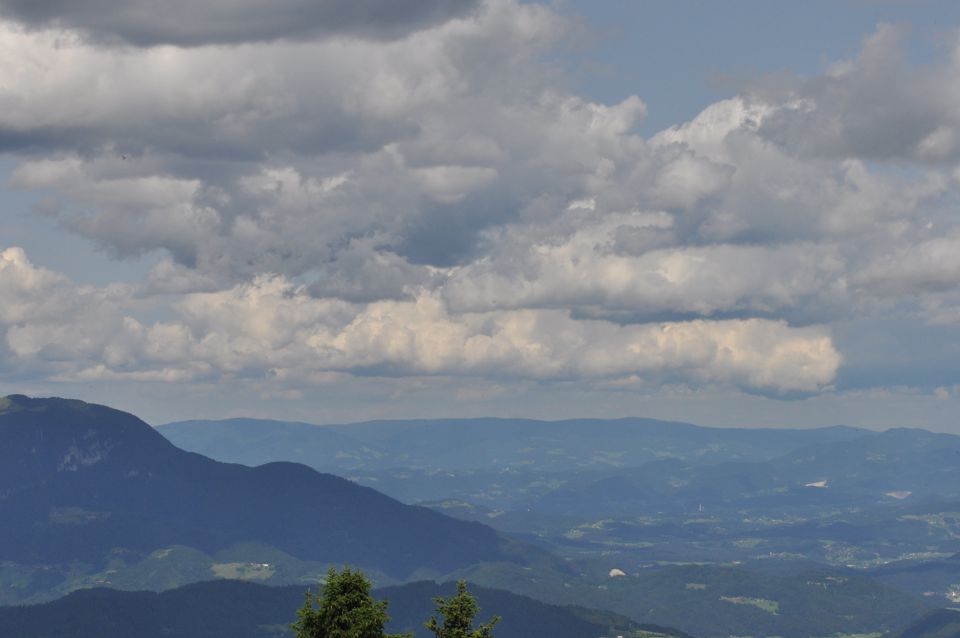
[344, 609]
[458, 612]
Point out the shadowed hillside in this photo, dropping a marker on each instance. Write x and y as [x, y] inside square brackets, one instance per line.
[79, 480]
[226, 609]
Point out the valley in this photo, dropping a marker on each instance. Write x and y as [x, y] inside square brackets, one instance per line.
[710, 532]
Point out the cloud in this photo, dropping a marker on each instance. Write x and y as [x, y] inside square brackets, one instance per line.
[932, 265]
[51, 325]
[202, 22]
[270, 327]
[293, 161]
[874, 106]
[775, 192]
[617, 265]
[240, 103]
[441, 204]
[26, 290]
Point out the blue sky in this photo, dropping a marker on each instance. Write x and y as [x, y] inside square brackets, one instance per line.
[737, 213]
[681, 56]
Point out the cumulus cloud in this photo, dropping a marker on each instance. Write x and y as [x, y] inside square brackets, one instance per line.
[617, 265]
[232, 103]
[49, 323]
[442, 204]
[385, 139]
[931, 265]
[774, 193]
[200, 22]
[21, 282]
[873, 106]
[272, 327]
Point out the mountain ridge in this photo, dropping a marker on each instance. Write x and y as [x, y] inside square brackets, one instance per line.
[486, 443]
[222, 609]
[67, 466]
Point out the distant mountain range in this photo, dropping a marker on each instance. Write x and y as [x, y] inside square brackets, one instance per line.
[716, 531]
[489, 444]
[599, 468]
[890, 466]
[633, 492]
[501, 464]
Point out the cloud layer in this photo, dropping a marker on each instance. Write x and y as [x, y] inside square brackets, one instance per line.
[202, 22]
[356, 192]
[271, 327]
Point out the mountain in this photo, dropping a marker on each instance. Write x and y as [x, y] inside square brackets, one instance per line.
[501, 464]
[640, 491]
[871, 469]
[80, 481]
[897, 463]
[490, 444]
[230, 609]
[656, 462]
[942, 623]
[260, 441]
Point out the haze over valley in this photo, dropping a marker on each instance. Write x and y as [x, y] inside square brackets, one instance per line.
[665, 527]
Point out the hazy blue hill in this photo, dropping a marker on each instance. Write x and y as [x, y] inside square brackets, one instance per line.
[578, 443]
[898, 460]
[502, 464]
[663, 486]
[677, 487]
[901, 465]
[460, 444]
[79, 480]
[229, 609]
[259, 441]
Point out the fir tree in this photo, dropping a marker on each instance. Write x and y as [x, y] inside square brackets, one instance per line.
[344, 609]
[458, 612]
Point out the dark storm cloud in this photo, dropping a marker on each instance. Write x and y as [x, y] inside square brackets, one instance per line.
[200, 22]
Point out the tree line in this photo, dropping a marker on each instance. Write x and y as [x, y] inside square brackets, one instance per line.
[345, 608]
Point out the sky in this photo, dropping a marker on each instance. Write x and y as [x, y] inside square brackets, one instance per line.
[740, 213]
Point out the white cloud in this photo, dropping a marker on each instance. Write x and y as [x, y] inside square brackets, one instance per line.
[272, 327]
[435, 201]
[931, 265]
[618, 265]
